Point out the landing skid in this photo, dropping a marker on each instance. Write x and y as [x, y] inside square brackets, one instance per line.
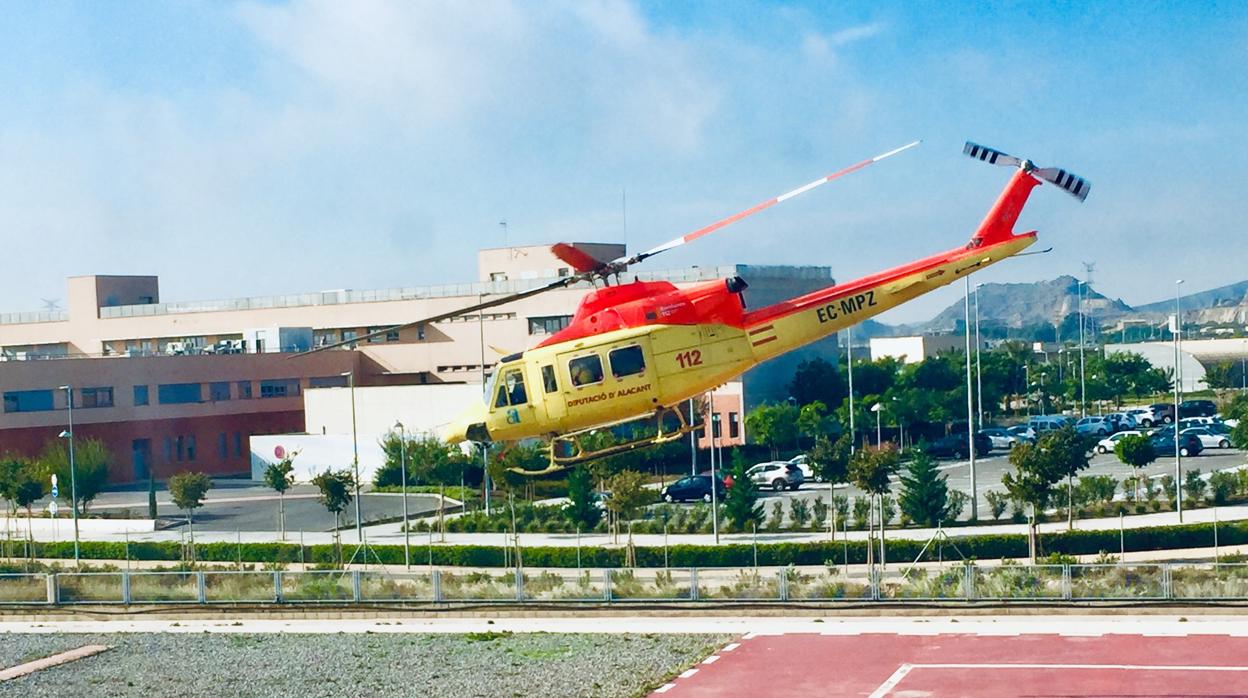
[571, 444]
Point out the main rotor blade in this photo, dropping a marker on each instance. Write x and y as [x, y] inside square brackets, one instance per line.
[707, 230]
[501, 300]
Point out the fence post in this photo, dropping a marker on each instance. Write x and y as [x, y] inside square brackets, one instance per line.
[606, 586]
[1066, 593]
[437, 586]
[202, 587]
[277, 586]
[125, 588]
[1167, 580]
[519, 585]
[784, 583]
[53, 591]
[693, 583]
[969, 581]
[355, 586]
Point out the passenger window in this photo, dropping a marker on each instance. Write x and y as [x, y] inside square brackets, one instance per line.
[548, 379]
[585, 370]
[627, 361]
[513, 381]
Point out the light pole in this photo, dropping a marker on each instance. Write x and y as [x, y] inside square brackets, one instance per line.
[485, 447]
[73, 468]
[714, 481]
[877, 408]
[979, 384]
[355, 457]
[1178, 377]
[407, 546]
[693, 443]
[1083, 391]
[970, 422]
[849, 362]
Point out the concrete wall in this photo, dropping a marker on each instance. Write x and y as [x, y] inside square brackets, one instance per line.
[914, 349]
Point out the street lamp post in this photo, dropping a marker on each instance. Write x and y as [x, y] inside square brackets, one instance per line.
[849, 363]
[877, 409]
[407, 546]
[73, 468]
[1178, 348]
[714, 481]
[970, 422]
[979, 383]
[355, 457]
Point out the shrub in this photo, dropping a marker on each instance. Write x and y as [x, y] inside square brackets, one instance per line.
[1221, 487]
[1194, 486]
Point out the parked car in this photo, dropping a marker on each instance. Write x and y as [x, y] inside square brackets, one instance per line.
[1047, 422]
[1219, 428]
[1189, 445]
[1163, 413]
[1095, 426]
[1189, 422]
[1122, 420]
[1107, 444]
[1143, 416]
[1208, 439]
[1022, 433]
[778, 475]
[999, 438]
[803, 464]
[1197, 408]
[692, 487]
[954, 446]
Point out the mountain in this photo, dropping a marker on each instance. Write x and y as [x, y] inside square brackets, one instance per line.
[1225, 305]
[1022, 304]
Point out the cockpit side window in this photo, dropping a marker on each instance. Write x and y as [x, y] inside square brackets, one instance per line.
[513, 382]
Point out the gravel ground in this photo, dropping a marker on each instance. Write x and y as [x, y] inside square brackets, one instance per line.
[356, 665]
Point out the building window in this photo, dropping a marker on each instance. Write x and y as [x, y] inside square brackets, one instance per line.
[140, 395]
[181, 448]
[244, 390]
[716, 430]
[548, 324]
[627, 361]
[280, 387]
[327, 382]
[585, 370]
[223, 447]
[498, 276]
[564, 272]
[97, 397]
[238, 445]
[28, 401]
[373, 337]
[219, 391]
[734, 425]
[190, 447]
[392, 334]
[168, 449]
[179, 393]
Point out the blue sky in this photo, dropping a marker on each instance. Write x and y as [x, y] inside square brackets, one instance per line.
[260, 147]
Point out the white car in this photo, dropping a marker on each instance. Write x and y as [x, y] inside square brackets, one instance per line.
[1000, 438]
[1095, 426]
[1143, 416]
[803, 464]
[1208, 439]
[1107, 445]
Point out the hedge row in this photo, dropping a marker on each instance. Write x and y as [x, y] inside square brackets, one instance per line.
[982, 547]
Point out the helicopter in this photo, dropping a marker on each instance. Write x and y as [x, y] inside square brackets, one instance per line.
[639, 349]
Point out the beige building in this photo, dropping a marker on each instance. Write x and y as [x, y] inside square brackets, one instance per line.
[913, 350]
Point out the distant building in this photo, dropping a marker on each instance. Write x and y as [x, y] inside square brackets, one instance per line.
[1196, 356]
[913, 350]
[174, 386]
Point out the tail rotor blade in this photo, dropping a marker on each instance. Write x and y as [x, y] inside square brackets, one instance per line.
[1075, 185]
[990, 156]
[707, 230]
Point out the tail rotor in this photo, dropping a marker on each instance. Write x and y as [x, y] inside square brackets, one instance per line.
[1073, 184]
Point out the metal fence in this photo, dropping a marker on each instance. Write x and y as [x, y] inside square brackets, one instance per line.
[1004, 583]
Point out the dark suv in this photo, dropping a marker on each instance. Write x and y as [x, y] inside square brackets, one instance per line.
[692, 487]
[954, 446]
[1197, 408]
[1163, 445]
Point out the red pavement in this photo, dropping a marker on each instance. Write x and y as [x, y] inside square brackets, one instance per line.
[1026, 665]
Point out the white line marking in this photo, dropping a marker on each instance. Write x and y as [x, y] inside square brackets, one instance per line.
[905, 669]
[688, 672]
[49, 662]
[892, 681]
[711, 659]
[750, 636]
[665, 688]
[730, 646]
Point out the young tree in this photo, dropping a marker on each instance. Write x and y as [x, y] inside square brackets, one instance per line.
[741, 507]
[582, 508]
[187, 491]
[10, 470]
[1136, 451]
[818, 380]
[773, 425]
[813, 421]
[629, 495]
[1068, 452]
[1031, 482]
[924, 492]
[280, 477]
[870, 469]
[830, 459]
[337, 491]
[29, 490]
[91, 461]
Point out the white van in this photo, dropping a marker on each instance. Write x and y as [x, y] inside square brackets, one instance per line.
[1047, 422]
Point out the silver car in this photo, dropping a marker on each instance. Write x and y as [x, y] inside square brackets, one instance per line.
[778, 475]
